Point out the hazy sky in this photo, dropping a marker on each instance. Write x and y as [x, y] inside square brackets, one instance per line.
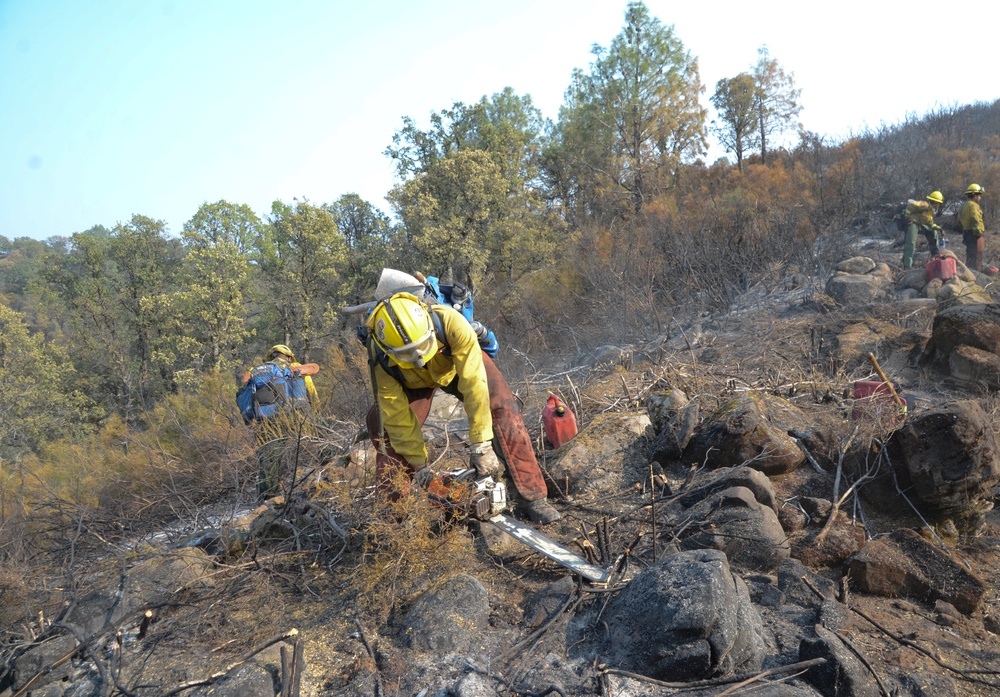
[114, 107]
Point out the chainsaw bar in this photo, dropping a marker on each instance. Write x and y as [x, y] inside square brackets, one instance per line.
[550, 548]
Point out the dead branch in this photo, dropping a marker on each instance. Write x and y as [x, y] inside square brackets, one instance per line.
[742, 679]
[215, 677]
[809, 458]
[573, 600]
[371, 655]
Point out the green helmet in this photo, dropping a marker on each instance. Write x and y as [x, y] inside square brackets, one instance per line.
[974, 189]
[935, 197]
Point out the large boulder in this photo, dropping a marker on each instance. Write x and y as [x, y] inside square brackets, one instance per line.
[709, 483]
[858, 281]
[687, 617]
[972, 365]
[843, 674]
[903, 564]
[952, 457]
[747, 430]
[610, 454]
[734, 522]
[957, 325]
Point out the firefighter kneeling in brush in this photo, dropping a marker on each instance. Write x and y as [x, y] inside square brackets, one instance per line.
[413, 350]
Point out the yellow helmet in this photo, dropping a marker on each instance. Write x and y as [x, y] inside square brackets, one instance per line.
[279, 350]
[974, 189]
[402, 327]
[935, 197]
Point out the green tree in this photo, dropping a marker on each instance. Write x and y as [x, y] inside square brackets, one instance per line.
[470, 199]
[300, 259]
[368, 234]
[449, 212]
[102, 288]
[204, 319]
[736, 100]
[777, 100]
[507, 126]
[38, 399]
[634, 117]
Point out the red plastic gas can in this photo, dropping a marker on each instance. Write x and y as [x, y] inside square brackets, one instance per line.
[559, 422]
[941, 267]
[872, 398]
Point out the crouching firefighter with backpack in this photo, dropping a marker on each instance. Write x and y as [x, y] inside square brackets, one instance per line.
[276, 399]
[918, 217]
[414, 349]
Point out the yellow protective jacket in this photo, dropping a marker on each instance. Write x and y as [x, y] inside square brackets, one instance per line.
[921, 213]
[970, 217]
[465, 363]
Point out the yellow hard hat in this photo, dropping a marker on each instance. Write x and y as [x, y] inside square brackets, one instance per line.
[402, 327]
[935, 197]
[974, 189]
[279, 350]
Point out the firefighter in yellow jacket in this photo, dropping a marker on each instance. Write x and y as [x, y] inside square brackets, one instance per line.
[415, 349]
[920, 218]
[970, 217]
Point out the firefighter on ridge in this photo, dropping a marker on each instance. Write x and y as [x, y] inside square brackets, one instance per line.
[413, 350]
[970, 217]
[920, 218]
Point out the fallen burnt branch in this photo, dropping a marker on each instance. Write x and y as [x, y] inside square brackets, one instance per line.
[215, 677]
[743, 679]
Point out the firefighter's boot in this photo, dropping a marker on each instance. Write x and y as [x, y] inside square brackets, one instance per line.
[541, 512]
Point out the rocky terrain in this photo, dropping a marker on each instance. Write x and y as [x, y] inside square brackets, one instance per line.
[769, 532]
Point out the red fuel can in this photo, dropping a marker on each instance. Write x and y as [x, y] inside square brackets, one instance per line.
[559, 422]
[872, 399]
[941, 267]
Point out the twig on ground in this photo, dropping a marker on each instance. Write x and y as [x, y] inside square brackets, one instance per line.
[215, 677]
[371, 655]
[742, 679]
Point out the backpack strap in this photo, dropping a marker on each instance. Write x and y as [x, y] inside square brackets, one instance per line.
[439, 332]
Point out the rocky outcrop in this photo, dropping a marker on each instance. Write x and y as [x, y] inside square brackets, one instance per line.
[734, 522]
[674, 419]
[975, 326]
[611, 453]
[843, 674]
[858, 281]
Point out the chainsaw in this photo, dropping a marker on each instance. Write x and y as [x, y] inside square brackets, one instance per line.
[462, 495]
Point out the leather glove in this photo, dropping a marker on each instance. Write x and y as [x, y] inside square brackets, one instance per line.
[423, 476]
[484, 459]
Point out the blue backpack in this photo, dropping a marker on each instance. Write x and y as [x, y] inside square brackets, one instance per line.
[272, 387]
[459, 297]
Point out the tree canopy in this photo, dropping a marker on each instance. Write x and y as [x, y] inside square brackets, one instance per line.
[631, 120]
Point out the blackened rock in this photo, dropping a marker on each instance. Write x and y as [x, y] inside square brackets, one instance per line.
[843, 674]
[687, 617]
[450, 616]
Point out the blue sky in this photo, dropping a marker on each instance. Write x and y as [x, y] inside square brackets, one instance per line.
[114, 107]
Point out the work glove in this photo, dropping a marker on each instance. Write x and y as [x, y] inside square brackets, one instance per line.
[483, 458]
[423, 476]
